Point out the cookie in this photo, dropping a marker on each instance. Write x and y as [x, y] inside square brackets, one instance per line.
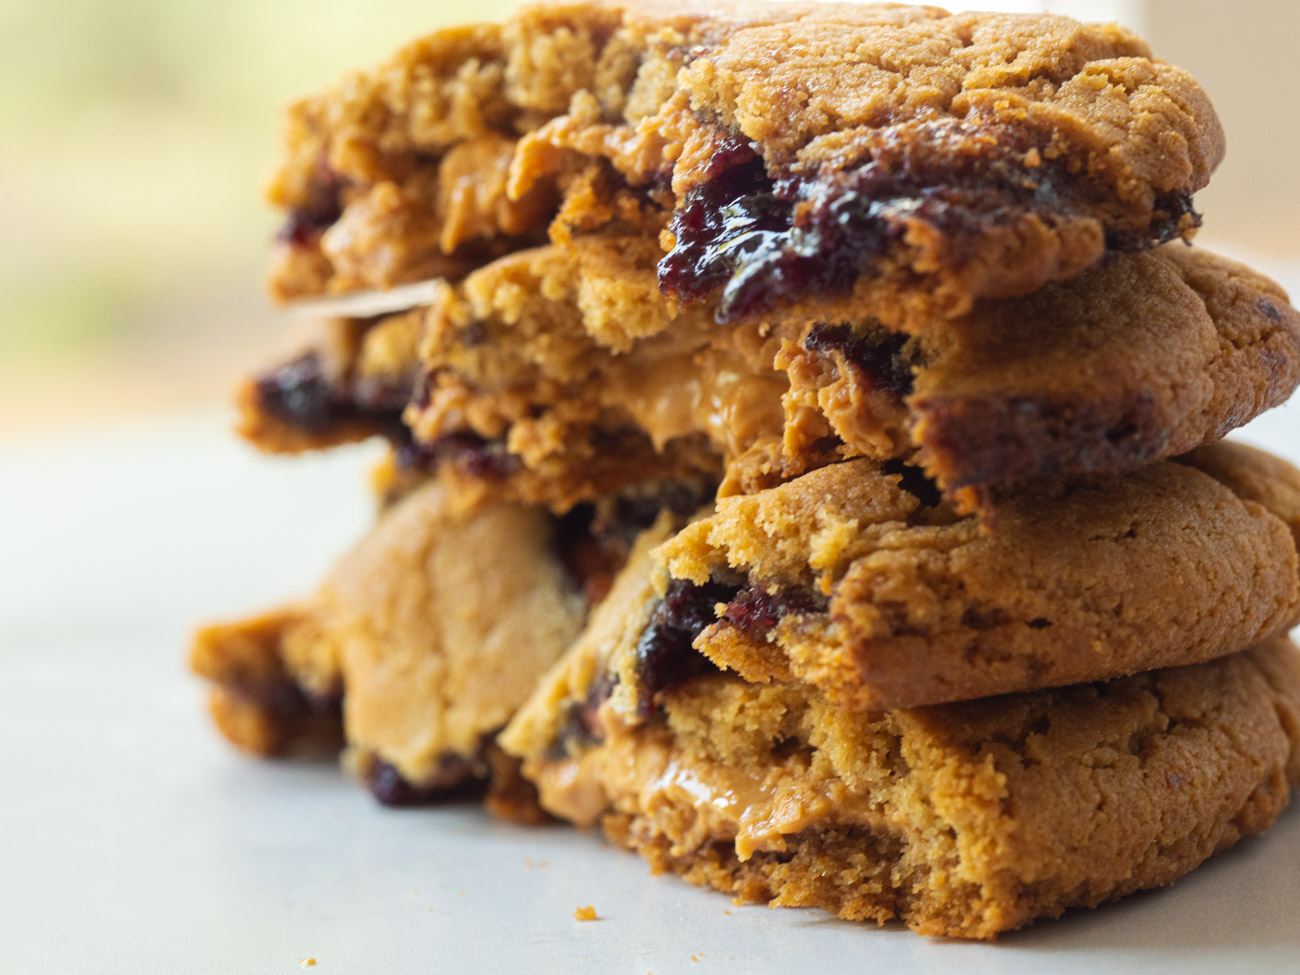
[425, 637]
[541, 369]
[894, 158]
[428, 635]
[352, 379]
[1141, 357]
[962, 820]
[862, 582]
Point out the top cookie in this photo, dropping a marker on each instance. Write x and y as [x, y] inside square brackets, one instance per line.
[898, 156]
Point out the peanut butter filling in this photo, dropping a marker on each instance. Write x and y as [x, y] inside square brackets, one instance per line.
[639, 770]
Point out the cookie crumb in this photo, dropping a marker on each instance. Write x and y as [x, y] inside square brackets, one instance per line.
[308, 963]
[587, 913]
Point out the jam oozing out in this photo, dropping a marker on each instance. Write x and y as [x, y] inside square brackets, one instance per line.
[301, 394]
[879, 353]
[764, 240]
[665, 657]
[757, 610]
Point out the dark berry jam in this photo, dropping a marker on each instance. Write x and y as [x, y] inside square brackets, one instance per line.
[915, 482]
[664, 655]
[879, 353]
[471, 454]
[756, 611]
[388, 785]
[582, 727]
[300, 394]
[763, 239]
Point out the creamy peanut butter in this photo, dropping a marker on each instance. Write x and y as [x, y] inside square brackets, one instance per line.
[638, 770]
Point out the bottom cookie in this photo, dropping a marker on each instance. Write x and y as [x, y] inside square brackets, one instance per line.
[962, 820]
[424, 639]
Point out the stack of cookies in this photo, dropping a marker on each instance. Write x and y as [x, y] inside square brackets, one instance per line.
[804, 427]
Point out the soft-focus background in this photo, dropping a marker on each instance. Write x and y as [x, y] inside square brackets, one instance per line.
[134, 135]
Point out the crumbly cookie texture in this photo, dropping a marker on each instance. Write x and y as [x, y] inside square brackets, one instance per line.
[962, 820]
[898, 156]
[549, 351]
[862, 583]
[541, 366]
[430, 633]
[1144, 356]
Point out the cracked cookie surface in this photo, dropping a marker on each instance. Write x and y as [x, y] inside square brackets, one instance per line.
[897, 158]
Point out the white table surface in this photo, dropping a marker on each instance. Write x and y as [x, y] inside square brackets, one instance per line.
[133, 841]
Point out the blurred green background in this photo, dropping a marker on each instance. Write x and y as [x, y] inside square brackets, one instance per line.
[134, 135]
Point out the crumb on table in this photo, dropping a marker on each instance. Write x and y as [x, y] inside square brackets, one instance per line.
[587, 913]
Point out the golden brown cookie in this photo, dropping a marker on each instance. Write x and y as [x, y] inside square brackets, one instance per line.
[962, 820]
[861, 582]
[425, 637]
[429, 633]
[1141, 357]
[900, 159]
[542, 368]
